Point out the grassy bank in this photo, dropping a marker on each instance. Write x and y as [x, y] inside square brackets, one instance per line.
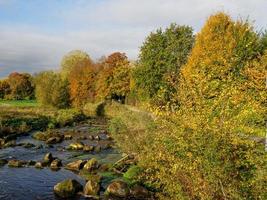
[19, 103]
[29, 116]
[180, 162]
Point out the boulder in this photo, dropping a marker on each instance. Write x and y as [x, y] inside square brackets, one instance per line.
[90, 137]
[11, 143]
[3, 162]
[39, 165]
[55, 164]
[97, 148]
[139, 192]
[67, 137]
[97, 137]
[2, 142]
[106, 146]
[48, 158]
[105, 167]
[67, 188]
[31, 163]
[91, 165]
[16, 163]
[118, 189]
[76, 146]
[83, 137]
[53, 140]
[88, 148]
[92, 188]
[76, 165]
[39, 136]
[38, 146]
[28, 145]
[108, 137]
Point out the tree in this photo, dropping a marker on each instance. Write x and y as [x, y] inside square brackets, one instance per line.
[161, 57]
[205, 150]
[263, 41]
[74, 59]
[21, 86]
[4, 88]
[221, 101]
[51, 89]
[113, 80]
[82, 84]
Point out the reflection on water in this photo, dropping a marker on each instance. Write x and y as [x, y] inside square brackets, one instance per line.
[31, 183]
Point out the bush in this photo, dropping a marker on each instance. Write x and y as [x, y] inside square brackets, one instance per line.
[68, 117]
[132, 174]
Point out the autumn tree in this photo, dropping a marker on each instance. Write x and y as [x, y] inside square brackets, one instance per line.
[113, 81]
[82, 84]
[4, 88]
[75, 58]
[51, 89]
[161, 57]
[21, 86]
[205, 150]
[263, 40]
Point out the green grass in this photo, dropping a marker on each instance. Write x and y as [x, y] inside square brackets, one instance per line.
[19, 103]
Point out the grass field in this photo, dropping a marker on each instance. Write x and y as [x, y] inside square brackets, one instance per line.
[19, 103]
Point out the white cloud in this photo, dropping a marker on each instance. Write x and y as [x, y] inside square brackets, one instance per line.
[107, 26]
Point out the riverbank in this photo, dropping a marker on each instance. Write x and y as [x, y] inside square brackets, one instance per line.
[72, 145]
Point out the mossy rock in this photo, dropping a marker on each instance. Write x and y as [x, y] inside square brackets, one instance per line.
[39, 136]
[118, 188]
[76, 146]
[92, 188]
[91, 165]
[67, 188]
[16, 163]
[76, 165]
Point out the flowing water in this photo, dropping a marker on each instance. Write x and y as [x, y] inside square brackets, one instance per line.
[30, 183]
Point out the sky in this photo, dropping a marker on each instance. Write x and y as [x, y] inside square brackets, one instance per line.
[36, 34]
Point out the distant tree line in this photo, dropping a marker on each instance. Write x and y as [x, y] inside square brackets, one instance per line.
[153, 78]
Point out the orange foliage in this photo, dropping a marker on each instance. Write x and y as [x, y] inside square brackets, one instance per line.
[82, 84]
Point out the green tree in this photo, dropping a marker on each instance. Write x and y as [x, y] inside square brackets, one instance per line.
[161, 57]
[74, 59]
[263, 40]
[51, 89]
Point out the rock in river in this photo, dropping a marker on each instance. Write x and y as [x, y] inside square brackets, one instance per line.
[11, 143]
[88, 148]
[67, 137]
[16, 163]
[55, 164]
[76, 146]
[139, 192]
[91, 165]
[67, 188]
[76, 165]
[118, 189]
[92, 188]
[97, 148]
[48, 158]
[53, 140]
[39, 165]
